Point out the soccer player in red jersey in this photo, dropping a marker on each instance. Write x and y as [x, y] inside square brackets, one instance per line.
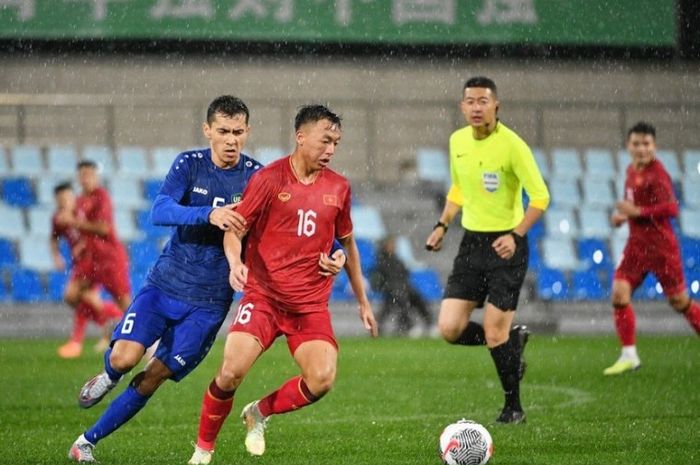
[293, 209]
[90, 305]
[648, 207]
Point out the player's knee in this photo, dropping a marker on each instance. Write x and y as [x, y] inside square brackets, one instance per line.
[122, 361]
[230, 377]
[321, 381]
[495, 336]
[449, 332]
[71, 298]
[619, 300]
[679, 302]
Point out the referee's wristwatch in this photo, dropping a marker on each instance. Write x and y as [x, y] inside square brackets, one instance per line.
[440, 224]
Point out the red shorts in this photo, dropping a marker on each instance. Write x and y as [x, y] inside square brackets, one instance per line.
[667, 268]
[265, 321]
[113, 275]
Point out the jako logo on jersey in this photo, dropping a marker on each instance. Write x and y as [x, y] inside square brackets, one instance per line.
[200, 190]
[284, 196]
[236, 198]
[180, 360]
[330, 199]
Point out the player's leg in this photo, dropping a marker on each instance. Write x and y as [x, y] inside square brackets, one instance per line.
[625, 326]
[455, 325]
[689, 308]
[669, 271]
[105, 315]
[74, 347]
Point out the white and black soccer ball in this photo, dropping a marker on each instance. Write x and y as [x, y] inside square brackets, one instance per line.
[465, 443]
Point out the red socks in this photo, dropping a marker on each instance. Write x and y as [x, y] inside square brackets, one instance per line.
[294, 394]
[79, 325]
[625, 324]
[216, 406]
[692, 314]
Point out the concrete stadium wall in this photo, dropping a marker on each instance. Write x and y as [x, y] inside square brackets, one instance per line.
[390, 106]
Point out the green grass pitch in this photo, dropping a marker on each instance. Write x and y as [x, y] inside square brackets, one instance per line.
[392, 399]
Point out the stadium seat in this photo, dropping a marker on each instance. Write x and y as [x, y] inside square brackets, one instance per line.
[368, 223]
[619, 184]
[534, 259]
[126, 226]
[536, 232]
[691, 163]
[564, 193]
[151, 188]
[560, 223]
[26, 286]
[56, 283]
[39, 220]
[586, 285]
[693, 280]
[670, 161]
[427, 283]
[559, 254]
[45, 186]
[266, 155]
[552, 285]
[600, 164]
[691, 192]
[542, 162]
[4, 166]
[35, 254]
[143, 254]
[18, 192]
[690, 223]
[432, 165]
[62, 160]
[128, 192]
[138, 278]
[650, 289]
[594, 255]
[594, 223]
[133, 162]
[623, 161]
[102, 155]
[404, 250]
[4, 294]
[597, 193]
[566, 164]
[617, 246]
[11, 222]
[26, 160]
[340, 291]
[690, 251]
[163, 158]
[368, 255]
[8, 256]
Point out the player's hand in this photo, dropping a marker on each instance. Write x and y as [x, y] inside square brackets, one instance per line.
[367, 317]
[627, 208]
[227, 219]
[617, 219]
[505, 246]
[65, 218]
[434, 241]
[331, 266]
[238, 277]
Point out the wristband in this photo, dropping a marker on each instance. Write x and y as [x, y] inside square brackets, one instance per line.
[440, 224]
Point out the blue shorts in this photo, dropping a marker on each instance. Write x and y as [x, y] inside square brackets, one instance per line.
[186, 331]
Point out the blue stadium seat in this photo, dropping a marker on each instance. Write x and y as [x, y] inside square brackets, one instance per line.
[143, 254]
[404, 250]
[40, 222]
[693, 280]
[600, 164]
[18, 192]
[8, 256]
[11, 222]
[368, 254]
[690, 223]
[623, 161]
[27, 287]
[594, 255]
[4, 294]
[133, 162]
[102, 155]
[138, 278]
[691, 162]
[340, 290]
[56, 281]
[368, 223]
[45, 186]
[62, 160]
[670, 161]
[542, 161]
[566, 164]
[690, 250]
[564, 193]
[163, 158]
[597, 193]
[151, 188]
[266, 155]
[427, 283]
[35, 254]
[691, 192]
[536, 232]
[560, 223]
[552, 285]
[586, 285]
[432, 165]
[126, 226]
[128, 192]
[594, 223]
[27, 160]
[650, 289]
[559, 254]
[534, 261]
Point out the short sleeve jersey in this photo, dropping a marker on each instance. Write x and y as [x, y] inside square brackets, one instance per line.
[290, 224]
[96, 206]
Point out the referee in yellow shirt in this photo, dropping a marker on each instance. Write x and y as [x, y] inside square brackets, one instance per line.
[490, 165]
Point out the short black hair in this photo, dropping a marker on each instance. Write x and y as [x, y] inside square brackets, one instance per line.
[86, 164]
[314, 113]
[62, 186]
[481, 81]
[642, 127]
[229, 106]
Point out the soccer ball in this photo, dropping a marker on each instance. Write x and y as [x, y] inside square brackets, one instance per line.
[465, 443]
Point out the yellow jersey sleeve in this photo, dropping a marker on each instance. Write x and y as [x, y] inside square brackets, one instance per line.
[526, 169]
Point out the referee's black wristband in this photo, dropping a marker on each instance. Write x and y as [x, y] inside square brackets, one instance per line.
[440, 224]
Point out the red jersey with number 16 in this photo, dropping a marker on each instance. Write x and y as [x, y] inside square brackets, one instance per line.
[290, 224]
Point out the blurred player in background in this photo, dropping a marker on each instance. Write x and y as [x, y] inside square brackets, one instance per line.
[648, 207]
[490, 165]
[293, 209]
[187, 294]
[90, 305]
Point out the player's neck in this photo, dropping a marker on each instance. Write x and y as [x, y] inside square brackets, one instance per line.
[483, 132]
[304, 173]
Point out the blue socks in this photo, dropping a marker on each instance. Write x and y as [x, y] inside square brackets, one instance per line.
[122, 408]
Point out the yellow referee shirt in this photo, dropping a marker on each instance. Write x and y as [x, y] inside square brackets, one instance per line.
[488, 177]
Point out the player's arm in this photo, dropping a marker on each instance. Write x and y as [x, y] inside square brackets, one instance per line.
[352, 268]
[58, 260]
[666, 206]
[526, 169]
[453, 204]
[238, 275]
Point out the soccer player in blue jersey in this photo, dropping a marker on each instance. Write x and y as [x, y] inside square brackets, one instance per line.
[187, 294]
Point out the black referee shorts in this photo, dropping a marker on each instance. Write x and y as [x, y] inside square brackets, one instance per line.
[479, 273]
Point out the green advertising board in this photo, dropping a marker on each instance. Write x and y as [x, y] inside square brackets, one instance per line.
[518, 22]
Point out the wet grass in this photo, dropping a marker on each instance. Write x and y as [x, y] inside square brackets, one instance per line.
[392, 399]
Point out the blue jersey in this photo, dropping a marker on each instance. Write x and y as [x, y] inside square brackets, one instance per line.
[192, 266]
